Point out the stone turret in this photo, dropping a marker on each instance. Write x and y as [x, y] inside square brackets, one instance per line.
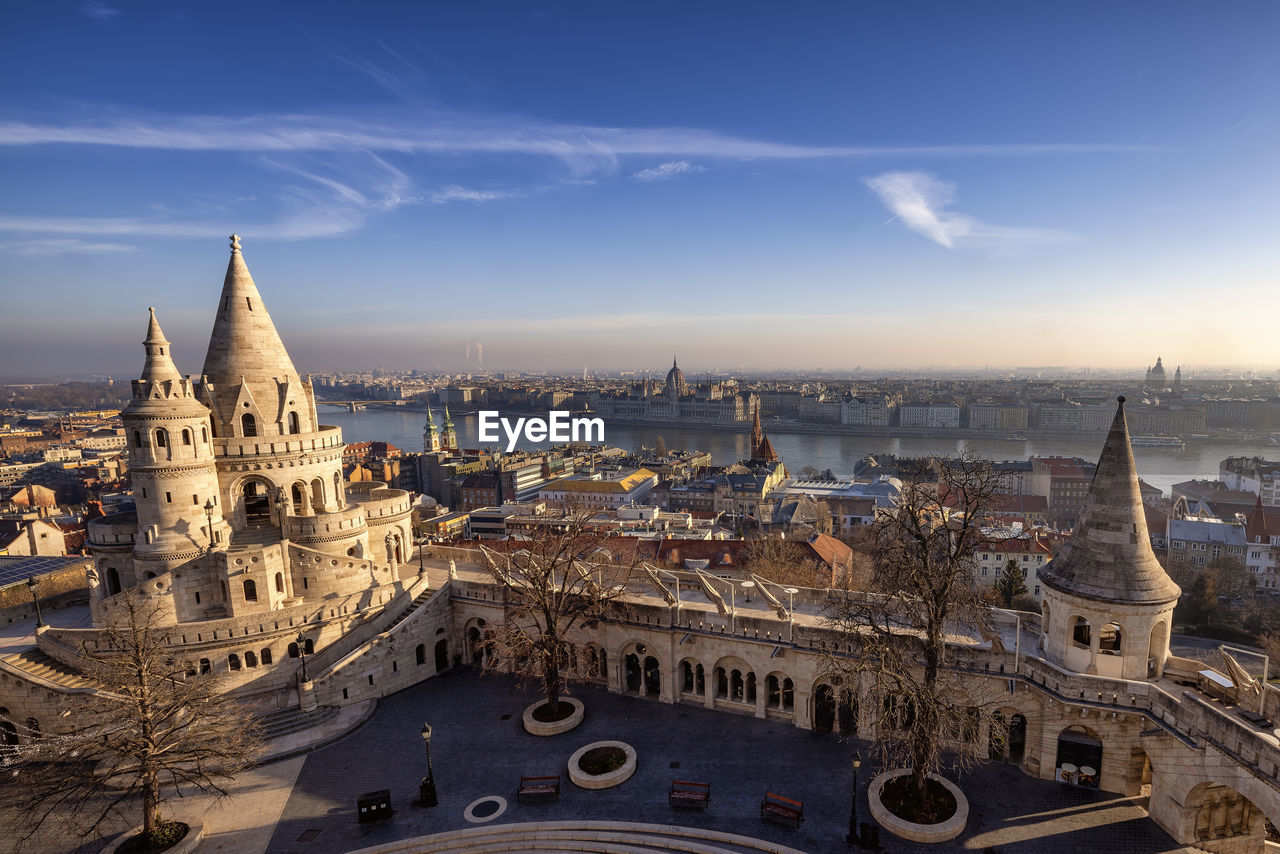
[1108, 603]
[171, 462]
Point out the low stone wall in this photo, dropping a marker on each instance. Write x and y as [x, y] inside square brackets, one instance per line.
[58, 589]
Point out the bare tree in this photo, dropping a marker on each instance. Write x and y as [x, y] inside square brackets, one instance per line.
[922, 587]
[791, 563]
[154, 728]
[562, 579]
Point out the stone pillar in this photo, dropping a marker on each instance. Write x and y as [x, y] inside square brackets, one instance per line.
[802, 708]
[709, 687]
[307, 695]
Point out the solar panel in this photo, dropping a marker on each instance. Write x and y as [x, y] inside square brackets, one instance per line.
[14, 569]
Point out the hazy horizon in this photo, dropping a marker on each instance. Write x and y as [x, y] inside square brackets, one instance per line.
[827, 186]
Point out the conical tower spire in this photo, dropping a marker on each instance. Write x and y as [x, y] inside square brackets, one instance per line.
[430, 428]
[1109, 556]
[757, 432]
[244, 342]
[159, 366]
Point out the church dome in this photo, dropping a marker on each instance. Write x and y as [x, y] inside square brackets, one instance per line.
[675, 380]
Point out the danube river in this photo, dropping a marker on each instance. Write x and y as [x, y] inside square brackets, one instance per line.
[1158, 466]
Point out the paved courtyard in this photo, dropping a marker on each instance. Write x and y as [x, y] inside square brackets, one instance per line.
[479, 749]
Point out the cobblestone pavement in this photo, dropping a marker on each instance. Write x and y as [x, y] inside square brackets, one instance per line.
[479, 748]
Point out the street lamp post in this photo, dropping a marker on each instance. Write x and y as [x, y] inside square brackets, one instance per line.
[302, 651]
[852, 837]
[427, 788]
[34, 587]
[422, 567]
[208, 515]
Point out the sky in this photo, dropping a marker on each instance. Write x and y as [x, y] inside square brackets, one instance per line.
[462, 186]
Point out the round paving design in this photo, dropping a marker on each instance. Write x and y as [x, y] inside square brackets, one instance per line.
[485, 809]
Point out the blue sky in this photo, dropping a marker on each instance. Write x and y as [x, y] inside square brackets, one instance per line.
[751, 184]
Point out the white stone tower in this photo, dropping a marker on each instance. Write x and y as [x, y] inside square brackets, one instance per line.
[171, 461]
[1108, 604]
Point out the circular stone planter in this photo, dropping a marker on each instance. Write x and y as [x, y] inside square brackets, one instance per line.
[949, 829]
[602, 781]
[537, 727]
[188, 843]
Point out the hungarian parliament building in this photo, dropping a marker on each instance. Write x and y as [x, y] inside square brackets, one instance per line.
[676, 400]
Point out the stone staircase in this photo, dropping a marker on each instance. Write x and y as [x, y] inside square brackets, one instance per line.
[37, 663]
[282, 722]
[595, 837]
[413, 606]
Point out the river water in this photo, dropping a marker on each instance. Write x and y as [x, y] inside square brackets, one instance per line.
[1160, 467]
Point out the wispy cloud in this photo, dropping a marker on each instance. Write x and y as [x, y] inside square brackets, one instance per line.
[98, 10]
[454, 193]
[920, 201]
[61, 246]
[663, 171]
[401, 77]
[443, 132]
[341, 172]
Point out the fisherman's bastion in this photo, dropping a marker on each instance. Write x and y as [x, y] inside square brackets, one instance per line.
[263, 558]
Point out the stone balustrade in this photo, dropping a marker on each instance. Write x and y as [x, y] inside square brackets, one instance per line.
[236, 447]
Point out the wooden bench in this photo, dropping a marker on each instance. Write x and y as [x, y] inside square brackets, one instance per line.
[688, 795]
[777, 808]
[533, 788]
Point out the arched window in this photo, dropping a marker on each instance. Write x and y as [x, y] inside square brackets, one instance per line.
[293, 423]
[113, 581]
[250, 659]
[309, 646]
[204, 435]
[205, 666]
[233, 661]
[137, 438]
[293, 650]
[250, 590]
[279, 582]
[186, 436]
[337, 487]
[162, 438]
[420, 653]
[248, 425]
[265, 655]
[1109, 639]
[1081, 633]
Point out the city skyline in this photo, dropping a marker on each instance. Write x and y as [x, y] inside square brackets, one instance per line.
[565, 186]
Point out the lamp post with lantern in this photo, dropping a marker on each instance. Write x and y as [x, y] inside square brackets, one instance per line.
[34, 587]
[852, 837]
[427, 788]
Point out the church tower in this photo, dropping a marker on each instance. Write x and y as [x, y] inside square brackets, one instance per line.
[450, 435]
[757, 432]
[171, 461]
[1108, 604]
[430, 433]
